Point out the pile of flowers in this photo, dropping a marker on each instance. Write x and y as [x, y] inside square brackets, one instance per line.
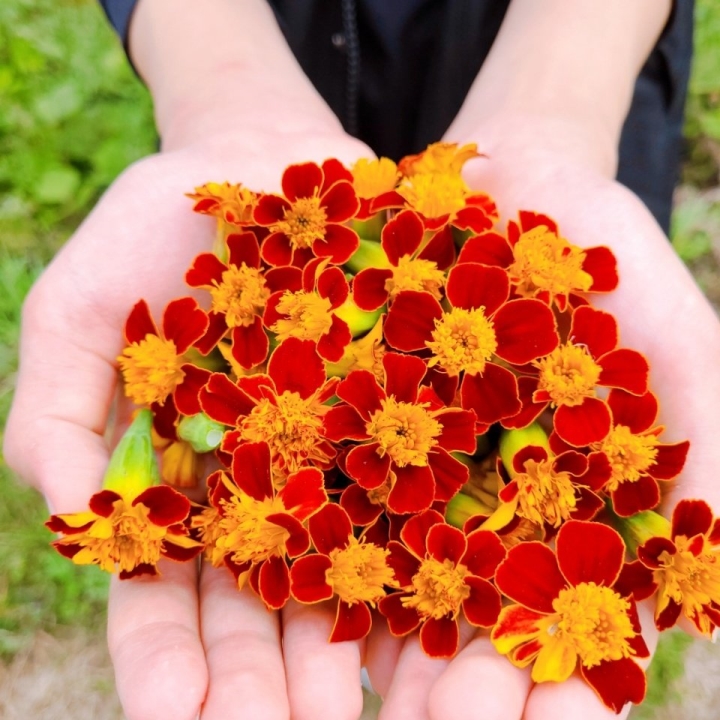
[414, 415]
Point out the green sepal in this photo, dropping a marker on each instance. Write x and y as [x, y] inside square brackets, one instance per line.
[201, 432]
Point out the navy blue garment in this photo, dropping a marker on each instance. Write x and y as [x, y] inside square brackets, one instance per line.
[410, 63]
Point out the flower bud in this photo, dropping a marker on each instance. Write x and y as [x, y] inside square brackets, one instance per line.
[370, 229]
[368, 254]
[512, 441]
[638, 529]
[202, 433]
[462, 507]
[358, 320]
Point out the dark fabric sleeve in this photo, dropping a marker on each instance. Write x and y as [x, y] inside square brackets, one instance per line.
[119, 13]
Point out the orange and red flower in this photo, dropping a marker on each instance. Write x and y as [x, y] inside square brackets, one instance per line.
[406, 435]
[442, 574]
[568, 613]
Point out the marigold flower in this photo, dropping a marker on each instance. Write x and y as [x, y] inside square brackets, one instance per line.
[442, 573]
[375, 182]
[310, 313]
[414, 263]
[481, 327]
[406, 435]
[637, 457]
[568, 377]
[568, 613]
[257, 527]
[686, 568]
[542, 264]
[153, 365]
[355, 571]
[283, 408]
[232, 204]
[308, 220]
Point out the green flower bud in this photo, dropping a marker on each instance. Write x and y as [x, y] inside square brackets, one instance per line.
[358, 320]
[200, 432]
[462, 507]
[368, 254]
[512, 441]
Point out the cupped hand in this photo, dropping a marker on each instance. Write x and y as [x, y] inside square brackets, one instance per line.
[552, 166]
[188, 640]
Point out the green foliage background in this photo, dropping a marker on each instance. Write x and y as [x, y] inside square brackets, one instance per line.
[72, 116]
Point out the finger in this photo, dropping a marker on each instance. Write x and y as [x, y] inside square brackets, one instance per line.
[323, 677]
[244, 654]
[479, 683]
[154, 640]
[381, 656]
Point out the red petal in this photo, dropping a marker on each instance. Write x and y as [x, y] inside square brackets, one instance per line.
[298, 542]
[283, 278]
[598, 472]
[485, 552]
[243, 248]
[307, 579]
[274, 582]
[492, 395]
[138, 570]
[440, 638]
[472, 218]
[530, 576]
[525, 330]
[369, 291]
[691, 517]
[596, 329]
[415, 531]
[343, 422]
[472, 286]
[304, 493]
[353, 622]
[530, 410]
[669, 616]
[333, 286]
[165, 505]
[634, 497]
[440, 249]
[270, 209]
[411, 320]
[301, 181]
[583, 424]
[184, 323]
[364, 464]
[178, 553]
[403, 374]
[529, 452]
[330, 528]
[217, 327]
[458, 430]
[360, 389]
[636, 581]
[449, 474]
[251, 470]
[636, 412]
[626, 369]
[277, 249]
[601, 264]
[649, 553]
[413, 490]
[445, 542]
[295, 366]
[401, 619]
[139, 323]
[250, 344]
[670, 460]
[488, 248]
[340, 202]
[403, 563]
[334, 171]
[356, 502]
[617, 682]
[206, 269]
[589, 552]
[402, 236]
[331, 346]
[482, 606]
[338, 245]
[223, 401]
[187, 394]
[571, 462]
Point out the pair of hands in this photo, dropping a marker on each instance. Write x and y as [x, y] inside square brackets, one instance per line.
[189, 642]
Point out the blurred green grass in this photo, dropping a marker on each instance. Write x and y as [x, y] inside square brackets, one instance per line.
[73, 116]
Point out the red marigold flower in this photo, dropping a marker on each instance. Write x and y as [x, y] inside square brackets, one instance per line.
[127, 532]
[283, 408]
[441, 573]
[239, 290]
[414, 264]
[355, 571]
[308, 312]
[542, 264]
[637, 457]
[375, 182]
[481, 326]
[685, 568]
[569, 375]
[257, 527]
[407, 435]
[308, 219]
[232, 204]
[153, 365]
[569, 613]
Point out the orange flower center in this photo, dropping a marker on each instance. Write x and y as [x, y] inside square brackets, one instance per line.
[692, 581]
[303, 223]
[309, 316]
[544, 496]
[207, 523]
[152, 369]
[360, 572]
[406, 432]
[545, 262]
[593, 621]
[124, 540]
[630, 455]
[292, 427]
[439, 589]
[244, 531]
[374, 177]
[434, 195]
[240, 296]
[417, 274]
[568, 374]
[463, 340]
